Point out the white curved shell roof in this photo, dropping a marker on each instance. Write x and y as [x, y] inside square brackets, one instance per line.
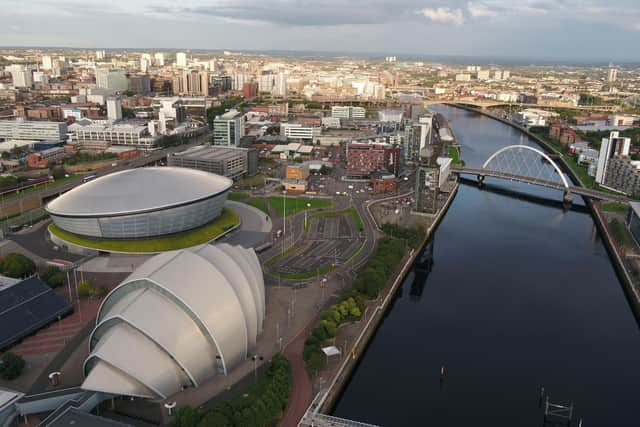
[188, 314]
[138, 190]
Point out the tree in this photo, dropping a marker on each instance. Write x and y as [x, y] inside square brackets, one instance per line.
[85, 290]
[187, 416]
[17, 266]
[58, 173]
[53, 276]
[11, 366]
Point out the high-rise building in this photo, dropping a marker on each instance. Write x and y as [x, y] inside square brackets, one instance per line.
[250, 90]
[101, 54]
[228, 129]
[40, 77]
[363, 159]
[613, 146]
[159, 59]
[144, 64]
[140, 84]
[181, 59]
[191, 82]
[114, 109]
[22, 77]
[280, 85]
[47, 63]
[612, 74]
[112, 78]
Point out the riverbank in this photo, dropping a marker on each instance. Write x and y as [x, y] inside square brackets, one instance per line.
[328, 397]
[630, 287]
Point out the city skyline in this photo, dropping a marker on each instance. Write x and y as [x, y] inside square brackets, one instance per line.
[567, 30]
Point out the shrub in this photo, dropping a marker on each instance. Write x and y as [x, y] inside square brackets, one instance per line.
[11, 366]
[85, 290]
[52, 276]
[17, 266]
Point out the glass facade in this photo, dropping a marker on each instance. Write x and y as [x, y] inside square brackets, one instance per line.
[149, 224]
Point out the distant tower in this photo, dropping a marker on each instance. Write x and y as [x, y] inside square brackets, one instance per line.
[114, 109]
[612, 74]
[181, 59]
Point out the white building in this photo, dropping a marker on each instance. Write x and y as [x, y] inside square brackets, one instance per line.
[330, 122]
[348, 112]
[394, 116]
[611, 147]
[280, 85]
[228, 129]
[298, 131]
[47, 63]
[22, 77]
[112, 78]
[159, 59]
[463, 77]
[114, 109]
[181, 59]
[144, 64]
[623, 119]
[40, 77]
[117, 134]
[484, 75]
[101, 54]
[32, 131]
[612, 74]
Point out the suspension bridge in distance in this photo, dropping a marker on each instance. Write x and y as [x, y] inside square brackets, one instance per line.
[522, 163]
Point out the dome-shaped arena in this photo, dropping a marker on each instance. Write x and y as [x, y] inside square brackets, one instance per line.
[143, 202]
[176, 321]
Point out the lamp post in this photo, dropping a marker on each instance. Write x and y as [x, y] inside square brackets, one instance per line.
[284, 241]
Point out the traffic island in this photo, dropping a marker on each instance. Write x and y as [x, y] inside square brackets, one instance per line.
[225, 223]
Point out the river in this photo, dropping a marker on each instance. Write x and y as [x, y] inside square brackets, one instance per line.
[521, 295]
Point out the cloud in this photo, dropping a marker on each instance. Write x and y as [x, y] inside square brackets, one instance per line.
[444, 15]
[480, 10]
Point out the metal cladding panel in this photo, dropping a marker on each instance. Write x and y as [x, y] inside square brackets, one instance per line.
[234, 274]
[81, 226]
[105, 378]
[134, 354]
[138, 190]
[174, 330]
[206, 291]
[252, 264]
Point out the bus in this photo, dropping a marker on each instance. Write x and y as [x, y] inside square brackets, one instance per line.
[88, 178]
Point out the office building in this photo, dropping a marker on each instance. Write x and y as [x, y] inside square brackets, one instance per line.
[250, 90]
[232, 162]
[364, 159]
[483, 75]
[101, 54]
[228, 128]
[84, 131]
[32, 131]
[144, 64]
[623, 175]
[299, 131]
[22, 77]
[114, 109]
[40, 77]
[611, 147]
[140, 84]
[348, 112]
[112, 78]
[191, 82]
[158, 59]
[612, 74]
[391, 116]
[47, 63]
[463, 77]
[181, 59]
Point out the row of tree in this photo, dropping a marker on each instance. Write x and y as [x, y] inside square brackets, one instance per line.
[258, 406]
[369, 281]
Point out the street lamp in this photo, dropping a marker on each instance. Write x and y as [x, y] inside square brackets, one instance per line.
[305, 215]
[255, 358]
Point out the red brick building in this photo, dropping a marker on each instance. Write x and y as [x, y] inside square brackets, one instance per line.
[365, 158]
[250, 90]
[383, 182]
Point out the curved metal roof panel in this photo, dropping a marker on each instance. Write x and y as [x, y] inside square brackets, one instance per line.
[137, 191]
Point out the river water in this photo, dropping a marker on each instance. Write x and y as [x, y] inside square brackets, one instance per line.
[521, 295]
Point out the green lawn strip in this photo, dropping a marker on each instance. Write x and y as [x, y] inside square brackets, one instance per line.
[619, 232]
[258, 202]
[455, 155]
[238, 195]
[42, 186]
[349, 211]
[204, 234]
[614, 207]
[296, 204]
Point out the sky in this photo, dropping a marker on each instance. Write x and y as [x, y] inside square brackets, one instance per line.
[598, 30]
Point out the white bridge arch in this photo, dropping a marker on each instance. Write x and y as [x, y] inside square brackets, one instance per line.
[541, 153]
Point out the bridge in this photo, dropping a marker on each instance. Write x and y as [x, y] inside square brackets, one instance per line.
[522, 163]
[490, 103]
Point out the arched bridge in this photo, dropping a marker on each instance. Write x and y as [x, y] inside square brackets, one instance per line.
[530, 165]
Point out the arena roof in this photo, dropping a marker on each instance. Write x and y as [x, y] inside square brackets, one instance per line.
[185, 328]
[138, 190]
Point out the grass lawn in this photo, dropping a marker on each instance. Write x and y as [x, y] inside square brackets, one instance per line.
[258, 202]
[614, 207]
[251, 181]
[237, 195]
[158, 244]
[619, 232]
[455, 155]
[296, 204]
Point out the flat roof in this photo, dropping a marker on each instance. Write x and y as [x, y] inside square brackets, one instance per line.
[203, 152]
[138, 190]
